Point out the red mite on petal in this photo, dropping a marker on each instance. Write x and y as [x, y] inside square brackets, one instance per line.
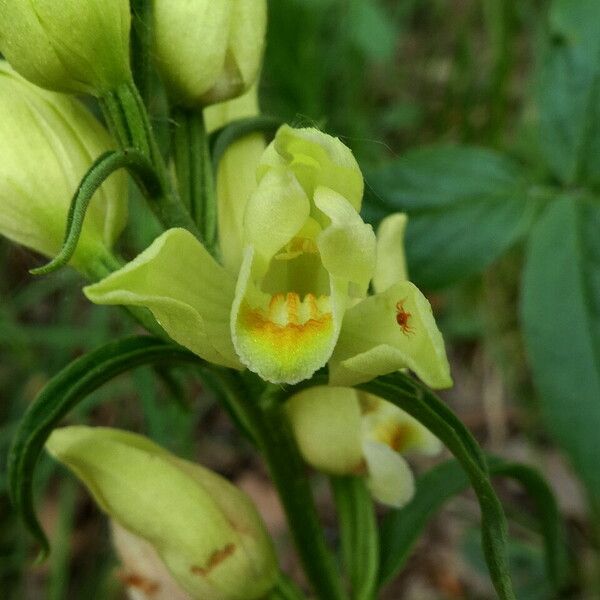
[402, 318]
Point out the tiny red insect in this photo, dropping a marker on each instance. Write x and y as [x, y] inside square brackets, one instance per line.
[402, 318]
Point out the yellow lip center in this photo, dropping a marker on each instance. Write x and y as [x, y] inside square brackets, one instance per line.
[288, 321]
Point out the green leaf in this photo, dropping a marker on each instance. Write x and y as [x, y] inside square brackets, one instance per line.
[62, 394]
[429, 410]
[466, 207]
[547, 513]
[359, 535]
[97, 174]
[561, 320]
[568, 95]
[401, 529]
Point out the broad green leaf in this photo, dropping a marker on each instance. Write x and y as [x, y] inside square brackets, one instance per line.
[429, 410]
[401, 529]
[568, 95]
[359, 535]
[561, 321]
[62, 394]
[466, 207]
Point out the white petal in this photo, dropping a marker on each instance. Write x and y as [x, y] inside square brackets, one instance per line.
[390, 479]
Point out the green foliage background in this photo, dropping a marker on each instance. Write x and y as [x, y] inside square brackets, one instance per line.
[481, 120]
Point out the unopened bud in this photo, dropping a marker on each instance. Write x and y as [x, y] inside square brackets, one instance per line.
[47, 143]
[73, 46]
[207, 533]
[208, 51]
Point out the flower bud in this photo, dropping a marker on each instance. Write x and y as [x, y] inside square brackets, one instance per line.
[73, 46]
[47, 143]
[206, 532]
[208, 51]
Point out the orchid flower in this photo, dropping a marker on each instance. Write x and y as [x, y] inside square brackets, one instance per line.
[342, 431]
[300, 298]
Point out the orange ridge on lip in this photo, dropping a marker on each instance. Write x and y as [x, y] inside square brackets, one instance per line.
[293, 333]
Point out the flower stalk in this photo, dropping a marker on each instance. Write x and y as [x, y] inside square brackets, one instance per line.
[278, 448]
[194, 172]
[128, 121]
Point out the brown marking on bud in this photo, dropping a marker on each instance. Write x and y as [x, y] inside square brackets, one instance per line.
[145, 585]
[216, 558]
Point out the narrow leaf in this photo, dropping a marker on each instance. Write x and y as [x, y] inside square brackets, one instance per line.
[61, 395]
[98, 173]
[401, 529]
[424, 406]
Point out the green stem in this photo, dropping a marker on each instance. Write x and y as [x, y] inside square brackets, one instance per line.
[287, 470]
[230, 391]
[128, 120]
[194, 171]
[270, 431]
[358, 534]
[141, 42]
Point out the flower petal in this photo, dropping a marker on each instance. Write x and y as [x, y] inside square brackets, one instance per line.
[387, 332]
[384, 422]
[317, 159]
[282, 337]
[188, 292]
[391, 260]
[275, 213]
[390, 479]
[326, 422]
[145, 575]
[347, 246]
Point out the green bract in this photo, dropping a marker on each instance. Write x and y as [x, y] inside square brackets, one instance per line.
[70, 46]
[344, 432]
[297, 300]
[208, 51]
[206, 531]
[48, 143]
